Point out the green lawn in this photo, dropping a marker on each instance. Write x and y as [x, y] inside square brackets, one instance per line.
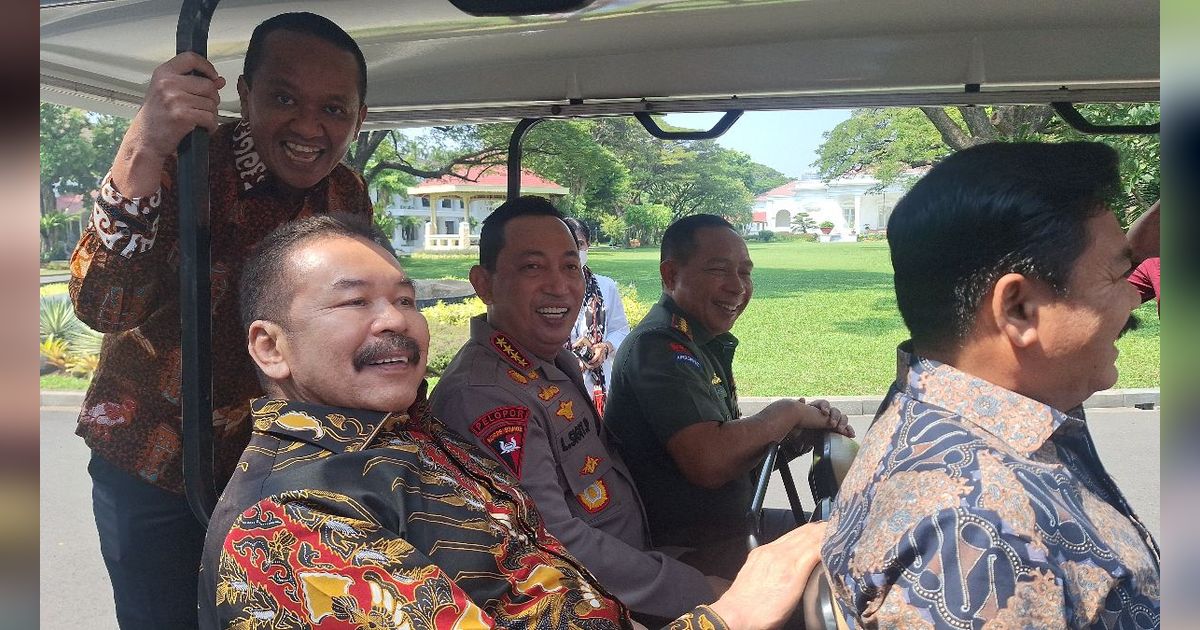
[823, 320]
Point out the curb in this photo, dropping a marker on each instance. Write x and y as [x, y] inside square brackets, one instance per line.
[1145, 398]
[1142, 398]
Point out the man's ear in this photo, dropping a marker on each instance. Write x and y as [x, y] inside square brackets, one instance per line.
[669, 271]
[362, 116]
[481, 280]
[243, 89]
[1014, 308]
[268, 349]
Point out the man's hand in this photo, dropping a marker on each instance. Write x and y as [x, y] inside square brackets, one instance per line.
[599, 354]
[769, 585]
[827, 418]
[176, 102]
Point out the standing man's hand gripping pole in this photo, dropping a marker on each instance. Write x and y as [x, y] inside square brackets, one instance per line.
[177, 101]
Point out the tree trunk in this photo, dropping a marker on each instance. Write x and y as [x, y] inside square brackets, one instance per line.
[951, 133]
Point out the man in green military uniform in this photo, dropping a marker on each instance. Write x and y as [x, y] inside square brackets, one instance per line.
[673, 403]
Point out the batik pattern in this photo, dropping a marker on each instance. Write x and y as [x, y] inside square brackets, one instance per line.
[125, 282]
[970, 506]
[386, 521]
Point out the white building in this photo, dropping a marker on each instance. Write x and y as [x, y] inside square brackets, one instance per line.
[852, 203]
[446, 212]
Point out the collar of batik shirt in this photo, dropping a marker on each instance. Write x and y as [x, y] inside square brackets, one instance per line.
[334, 429]
[1021, 422]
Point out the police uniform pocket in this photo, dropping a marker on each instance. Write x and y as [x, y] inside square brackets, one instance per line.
[587, 472]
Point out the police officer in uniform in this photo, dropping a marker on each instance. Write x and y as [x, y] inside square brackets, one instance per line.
[673, 402]
[517, 391]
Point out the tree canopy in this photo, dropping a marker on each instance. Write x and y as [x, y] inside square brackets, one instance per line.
[887, 141]
[76, 150]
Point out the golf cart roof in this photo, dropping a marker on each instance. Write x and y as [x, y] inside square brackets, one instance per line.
[429, 63]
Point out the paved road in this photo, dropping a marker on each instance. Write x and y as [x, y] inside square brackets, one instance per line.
[75, 591]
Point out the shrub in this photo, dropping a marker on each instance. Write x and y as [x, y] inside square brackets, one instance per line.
[766, 236]
[56, 318]
[826, 224]
[56, 352]
[83, 365]
[454, 314]
[634, 310]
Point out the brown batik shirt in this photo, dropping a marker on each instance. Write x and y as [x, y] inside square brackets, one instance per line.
[125, 283]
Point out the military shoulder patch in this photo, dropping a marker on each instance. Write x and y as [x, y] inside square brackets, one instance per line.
[689, 360]
[595, 497]
[502, 430]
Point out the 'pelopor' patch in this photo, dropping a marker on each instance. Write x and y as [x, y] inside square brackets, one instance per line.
[502, 430]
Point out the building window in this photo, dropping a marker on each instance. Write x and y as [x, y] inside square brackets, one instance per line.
[783, 219]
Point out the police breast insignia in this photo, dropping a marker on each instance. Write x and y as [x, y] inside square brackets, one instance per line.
[548, 392]
[502, 430]
[595, 497]
[716, 380]
[566, 409]
[509, 351]
[681, 324]
[590, 464]
[518, 377]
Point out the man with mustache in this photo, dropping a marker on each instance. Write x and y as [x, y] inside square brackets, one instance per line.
[302, 91]
[978, 495]
[353, 507]
[515, 385]
[673, 405]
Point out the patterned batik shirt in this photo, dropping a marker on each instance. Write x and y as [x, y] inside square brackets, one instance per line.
[971, 506]
[347, 519]
[125, 282]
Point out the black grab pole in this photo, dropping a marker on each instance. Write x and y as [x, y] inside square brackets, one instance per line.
[194, 285]
[514, 156]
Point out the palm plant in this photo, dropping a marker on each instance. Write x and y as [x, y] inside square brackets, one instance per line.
[56, 318]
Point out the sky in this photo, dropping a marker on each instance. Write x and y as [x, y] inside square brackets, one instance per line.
[785, 141]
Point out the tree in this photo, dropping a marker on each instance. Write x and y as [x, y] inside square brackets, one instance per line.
[647, 222]
[885, 141]
[76, 150]
[802, 223]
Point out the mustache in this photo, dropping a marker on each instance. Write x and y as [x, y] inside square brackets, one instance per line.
[388, 346]
[1130, 324]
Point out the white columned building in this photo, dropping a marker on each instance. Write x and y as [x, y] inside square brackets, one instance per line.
[853, 204]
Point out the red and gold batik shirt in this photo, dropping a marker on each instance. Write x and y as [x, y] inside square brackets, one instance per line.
[125, 283]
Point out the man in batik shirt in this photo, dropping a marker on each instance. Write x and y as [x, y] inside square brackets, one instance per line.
[978, 496]
[302, 102]
[354, 508]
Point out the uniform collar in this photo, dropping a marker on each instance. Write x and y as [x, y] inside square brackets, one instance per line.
[518, 358]
[681, 321]
[334, 429]
[1021, 422]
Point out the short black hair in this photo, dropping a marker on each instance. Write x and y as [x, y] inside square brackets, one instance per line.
[578, 228]
[990, 210]
[308, 24]
[264, 290]
[491, 235]
[679, 241]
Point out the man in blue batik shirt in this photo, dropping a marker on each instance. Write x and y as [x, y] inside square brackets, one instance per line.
[978, 496]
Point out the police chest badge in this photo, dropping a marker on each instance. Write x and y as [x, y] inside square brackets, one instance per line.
[502, 430]
[595, 497]
[590, 464]
[548, 392]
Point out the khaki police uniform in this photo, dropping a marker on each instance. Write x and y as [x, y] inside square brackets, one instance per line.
[535, 417]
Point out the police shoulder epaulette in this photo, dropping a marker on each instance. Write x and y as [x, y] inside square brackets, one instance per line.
[524, 371]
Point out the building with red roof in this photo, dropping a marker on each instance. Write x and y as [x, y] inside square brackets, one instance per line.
[451, 207]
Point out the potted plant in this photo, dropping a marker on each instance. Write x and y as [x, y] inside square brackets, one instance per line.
[826, 227]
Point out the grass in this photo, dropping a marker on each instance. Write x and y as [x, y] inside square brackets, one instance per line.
[64, 382]
[823, 320]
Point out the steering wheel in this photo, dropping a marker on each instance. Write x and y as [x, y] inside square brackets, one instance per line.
[818, 608]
